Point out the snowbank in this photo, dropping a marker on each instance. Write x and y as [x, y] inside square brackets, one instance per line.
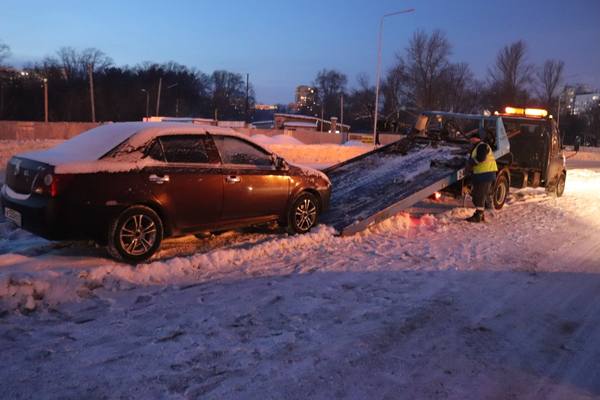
[427, 306]
[277, 139]
[317, 155]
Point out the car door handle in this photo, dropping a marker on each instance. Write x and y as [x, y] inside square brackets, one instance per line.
[233, 179]
[159, 179]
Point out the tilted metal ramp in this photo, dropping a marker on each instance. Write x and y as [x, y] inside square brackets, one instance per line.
[377, 185]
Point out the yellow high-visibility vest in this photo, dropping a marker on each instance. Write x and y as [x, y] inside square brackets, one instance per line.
[487, 165]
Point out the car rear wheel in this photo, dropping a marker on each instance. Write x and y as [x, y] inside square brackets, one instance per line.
[135, 235]
[500, 192]
[303, 214]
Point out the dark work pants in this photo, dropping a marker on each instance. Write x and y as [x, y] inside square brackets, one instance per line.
[480, 193]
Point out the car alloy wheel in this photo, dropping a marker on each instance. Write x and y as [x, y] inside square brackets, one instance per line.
[304, 213]
[135, 234]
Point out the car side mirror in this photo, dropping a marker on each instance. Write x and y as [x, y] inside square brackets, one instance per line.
[280, 163]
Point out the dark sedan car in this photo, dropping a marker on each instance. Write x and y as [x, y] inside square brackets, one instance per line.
[129, 185]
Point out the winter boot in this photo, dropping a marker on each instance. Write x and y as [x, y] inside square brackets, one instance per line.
[477, 217]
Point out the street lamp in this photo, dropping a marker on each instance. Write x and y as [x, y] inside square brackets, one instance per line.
[45, 80]
[375, 136]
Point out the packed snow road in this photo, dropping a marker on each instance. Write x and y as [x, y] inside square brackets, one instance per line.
[418, 307]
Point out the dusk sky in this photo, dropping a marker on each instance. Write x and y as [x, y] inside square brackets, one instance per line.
[282, 43]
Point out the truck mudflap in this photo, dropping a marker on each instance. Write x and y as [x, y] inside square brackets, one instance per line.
[381, 183]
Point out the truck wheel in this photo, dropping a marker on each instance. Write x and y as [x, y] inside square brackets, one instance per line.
[135, 235]
[303, 213]
[500, 192]
[560, 185]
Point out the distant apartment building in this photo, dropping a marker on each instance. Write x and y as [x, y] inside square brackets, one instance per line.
[578, 99]
[584, 102]
[305, 100]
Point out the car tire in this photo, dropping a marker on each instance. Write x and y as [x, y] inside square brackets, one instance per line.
[560, 184]
[500, 191]
[303, 214]
[135, 235]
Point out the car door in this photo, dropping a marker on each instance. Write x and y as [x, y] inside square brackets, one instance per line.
[252, 186]
[188, 183]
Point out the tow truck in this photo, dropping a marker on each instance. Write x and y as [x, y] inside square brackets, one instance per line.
[432, 158]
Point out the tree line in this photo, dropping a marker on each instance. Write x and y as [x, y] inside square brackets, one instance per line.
[423, 76]
[120, 93]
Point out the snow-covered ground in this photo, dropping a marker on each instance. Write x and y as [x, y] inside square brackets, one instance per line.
[420, 306]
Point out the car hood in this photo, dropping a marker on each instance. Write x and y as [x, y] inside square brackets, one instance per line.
[302, 170]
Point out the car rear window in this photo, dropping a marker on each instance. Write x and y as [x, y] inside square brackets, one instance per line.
[182, 149]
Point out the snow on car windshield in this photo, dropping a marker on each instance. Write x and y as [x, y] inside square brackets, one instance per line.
[88, 146]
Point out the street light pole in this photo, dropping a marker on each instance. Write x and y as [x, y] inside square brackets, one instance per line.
[378, 73]
[46, 100]
[91, 79]
[158, 97]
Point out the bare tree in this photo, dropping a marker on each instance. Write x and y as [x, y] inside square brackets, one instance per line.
[75, 64]
[229, 94]
[4, 52]
[511, 75]
[95, 59]
[550, 77]
[427, 63]
[331, 84]
[461, 91]
[396, 99]
[361, 103]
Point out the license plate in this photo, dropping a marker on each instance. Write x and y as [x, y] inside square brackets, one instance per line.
[13, 215]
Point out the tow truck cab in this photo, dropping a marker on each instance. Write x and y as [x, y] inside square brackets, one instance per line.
[525, 141]
[536, 156]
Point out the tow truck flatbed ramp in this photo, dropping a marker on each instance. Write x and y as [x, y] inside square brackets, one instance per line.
[377, 185]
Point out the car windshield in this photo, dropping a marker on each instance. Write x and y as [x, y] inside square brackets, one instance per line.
[88, 146]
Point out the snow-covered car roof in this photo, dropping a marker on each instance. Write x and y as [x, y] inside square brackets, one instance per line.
[95, 143]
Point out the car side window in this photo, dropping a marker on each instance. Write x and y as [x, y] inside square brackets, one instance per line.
[237, 151]
[183, 149]
[155, 151]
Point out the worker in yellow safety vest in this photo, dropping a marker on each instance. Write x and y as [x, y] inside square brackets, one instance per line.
[483, 164]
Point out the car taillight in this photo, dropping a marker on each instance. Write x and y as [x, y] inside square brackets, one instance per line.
[52, 184]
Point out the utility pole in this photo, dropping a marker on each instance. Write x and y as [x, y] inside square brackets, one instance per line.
[1, 99]
[147, 102]
[378, 74]
[344, 135]
[158, 97]
[322, 116]
[46, 100]
[247, 93]
[91, 79]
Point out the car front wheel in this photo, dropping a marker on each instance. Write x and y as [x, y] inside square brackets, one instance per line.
[135, 235]
[303, 214]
